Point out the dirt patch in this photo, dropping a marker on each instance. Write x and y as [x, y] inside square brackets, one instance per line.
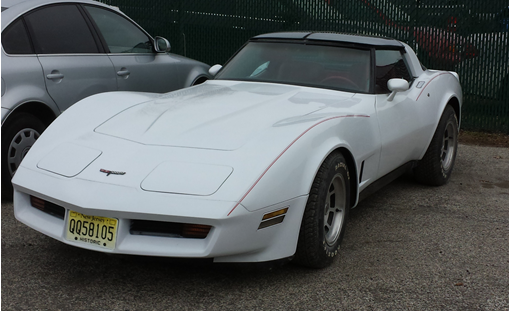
[483, 139]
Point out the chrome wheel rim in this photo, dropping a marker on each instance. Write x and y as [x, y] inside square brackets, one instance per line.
[449, 144]
[19, 147]
[334, 210]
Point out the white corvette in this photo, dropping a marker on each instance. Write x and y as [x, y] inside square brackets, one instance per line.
[262, 163]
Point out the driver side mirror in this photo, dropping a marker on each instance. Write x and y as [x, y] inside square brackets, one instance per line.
[161, 45]
[397, 85]
[215, 69]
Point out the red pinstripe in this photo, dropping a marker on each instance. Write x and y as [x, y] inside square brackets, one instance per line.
[443, 73]
[279, 156]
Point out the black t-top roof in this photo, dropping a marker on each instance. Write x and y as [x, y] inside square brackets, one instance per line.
[332, 37]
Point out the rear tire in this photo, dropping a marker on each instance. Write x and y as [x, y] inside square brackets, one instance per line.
[18, 135]
[326, 211]
[437, 164]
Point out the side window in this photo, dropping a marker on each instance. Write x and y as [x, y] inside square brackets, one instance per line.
[15, 39]
[120, 34]
[60, 29]
[389, 64]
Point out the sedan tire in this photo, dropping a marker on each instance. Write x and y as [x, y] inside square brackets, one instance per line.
[18, 136]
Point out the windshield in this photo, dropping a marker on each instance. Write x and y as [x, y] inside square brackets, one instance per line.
[330, 67]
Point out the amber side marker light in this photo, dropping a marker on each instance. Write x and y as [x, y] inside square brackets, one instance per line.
[273, 218]
[195, 231]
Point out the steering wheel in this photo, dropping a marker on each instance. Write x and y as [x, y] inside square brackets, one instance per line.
[340, 81]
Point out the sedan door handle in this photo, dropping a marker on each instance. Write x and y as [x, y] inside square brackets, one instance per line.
[123, 72]
[55, 76]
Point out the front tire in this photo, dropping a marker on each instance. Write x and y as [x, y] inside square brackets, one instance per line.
[18, 135]
[436, 166]
[326, 211]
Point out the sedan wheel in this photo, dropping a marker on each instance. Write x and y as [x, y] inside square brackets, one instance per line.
[18, 135]
[19, 147]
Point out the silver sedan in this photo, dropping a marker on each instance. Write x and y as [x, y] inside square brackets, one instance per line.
[55, 53]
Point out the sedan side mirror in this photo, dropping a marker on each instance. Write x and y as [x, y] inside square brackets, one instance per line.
[397, 85]
[215, 69]
[161, 45]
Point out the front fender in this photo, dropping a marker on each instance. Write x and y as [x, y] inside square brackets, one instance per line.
[292, 172]
[196, 74]
[191, 70]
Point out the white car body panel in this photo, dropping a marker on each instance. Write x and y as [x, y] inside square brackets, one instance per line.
[157, 180]
[224, 154]
[58, 161]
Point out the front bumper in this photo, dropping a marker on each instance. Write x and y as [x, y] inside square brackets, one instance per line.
[232, 238]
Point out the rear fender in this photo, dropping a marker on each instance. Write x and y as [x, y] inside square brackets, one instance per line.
[442, 89]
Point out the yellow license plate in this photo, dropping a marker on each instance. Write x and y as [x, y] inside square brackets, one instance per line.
[92, 230]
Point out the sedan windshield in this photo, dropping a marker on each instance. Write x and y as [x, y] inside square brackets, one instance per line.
[329, 67]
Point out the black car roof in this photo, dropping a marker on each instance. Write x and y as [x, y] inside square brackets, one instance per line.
[332, 37]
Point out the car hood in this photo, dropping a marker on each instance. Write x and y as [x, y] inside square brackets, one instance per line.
[218, 115]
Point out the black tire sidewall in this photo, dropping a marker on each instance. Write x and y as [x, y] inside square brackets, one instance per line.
[430, 169]
[453, 119]
[337, 166]
[312, 250]
[12, 127]
[447, 117]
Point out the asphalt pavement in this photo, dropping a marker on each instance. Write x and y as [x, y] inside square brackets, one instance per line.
[407, 247]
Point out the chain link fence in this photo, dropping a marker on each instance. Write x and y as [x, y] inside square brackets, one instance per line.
[469, 36]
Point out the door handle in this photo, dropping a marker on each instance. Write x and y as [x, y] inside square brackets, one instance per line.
[55, 76]
[123, 72]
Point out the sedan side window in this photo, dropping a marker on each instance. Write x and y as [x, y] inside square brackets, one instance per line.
[60, 29]
[389, 64]
[120, 34]
[15, 39]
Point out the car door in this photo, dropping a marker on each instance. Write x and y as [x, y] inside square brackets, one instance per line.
[399, 121]
[74, 64]
[138, 67]
[21, 71]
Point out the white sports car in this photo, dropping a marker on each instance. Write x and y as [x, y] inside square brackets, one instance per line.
[262, 163]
